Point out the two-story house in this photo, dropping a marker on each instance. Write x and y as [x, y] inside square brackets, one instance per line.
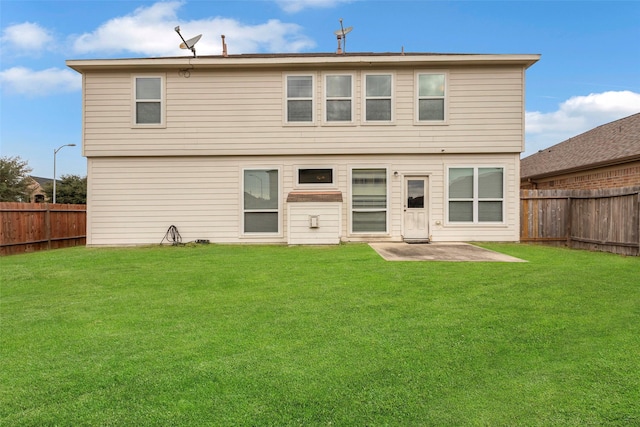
[304, 148]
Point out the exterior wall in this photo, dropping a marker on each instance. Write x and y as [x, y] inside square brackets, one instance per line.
[134, 200]
[327, 230]
[625, 175]
[236, 112]
[36, 193]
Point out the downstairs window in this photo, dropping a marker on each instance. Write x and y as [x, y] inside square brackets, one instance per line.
[369, 200]
[476, 195]
[261, 201]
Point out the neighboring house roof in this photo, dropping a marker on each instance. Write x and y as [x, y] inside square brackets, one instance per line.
[610, 144]
[42, 181]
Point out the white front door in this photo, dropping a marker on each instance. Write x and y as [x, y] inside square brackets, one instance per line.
[416, 208]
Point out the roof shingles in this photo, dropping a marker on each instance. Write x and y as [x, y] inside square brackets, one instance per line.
[611, 143]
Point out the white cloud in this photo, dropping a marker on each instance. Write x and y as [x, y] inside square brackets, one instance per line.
[25, 81]
[577, 115]
[149, 31]
[26, 38]
[293, 6]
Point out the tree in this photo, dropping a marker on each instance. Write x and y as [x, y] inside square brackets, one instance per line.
[70, 189]
[15, 181]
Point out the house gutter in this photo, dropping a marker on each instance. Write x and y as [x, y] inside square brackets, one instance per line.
[603, 164]
[304, 61]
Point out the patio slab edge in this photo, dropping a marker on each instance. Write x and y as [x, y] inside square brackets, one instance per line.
[447, 251]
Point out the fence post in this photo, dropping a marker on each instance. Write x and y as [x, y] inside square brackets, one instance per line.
[47, 225]
[569, 221]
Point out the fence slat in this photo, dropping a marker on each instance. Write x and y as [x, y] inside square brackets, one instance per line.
[605, 220]
[28, 227]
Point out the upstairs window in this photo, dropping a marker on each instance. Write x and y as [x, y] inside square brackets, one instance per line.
[299, 99]
[378, 97]
[476, 195]
[339, 102]
[431, 97]
[148, 100]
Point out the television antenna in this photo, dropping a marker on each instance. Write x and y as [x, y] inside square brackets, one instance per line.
[342, 37]
[188, 44]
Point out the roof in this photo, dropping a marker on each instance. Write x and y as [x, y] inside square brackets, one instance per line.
[612, 143]
[42, 181]
[305, 60]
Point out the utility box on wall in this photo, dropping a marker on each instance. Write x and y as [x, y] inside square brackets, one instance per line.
[313, 220]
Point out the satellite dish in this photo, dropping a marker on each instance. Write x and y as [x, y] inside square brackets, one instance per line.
[343, 32]
[188, 44]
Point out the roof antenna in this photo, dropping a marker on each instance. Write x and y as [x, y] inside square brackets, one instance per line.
[188, 44]
[342, 37]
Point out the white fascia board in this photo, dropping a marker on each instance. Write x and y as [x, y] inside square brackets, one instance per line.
[305, 61]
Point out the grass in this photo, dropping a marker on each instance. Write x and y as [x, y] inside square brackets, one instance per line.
[274, 335]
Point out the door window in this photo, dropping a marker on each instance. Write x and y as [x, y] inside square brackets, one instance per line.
[415, 193]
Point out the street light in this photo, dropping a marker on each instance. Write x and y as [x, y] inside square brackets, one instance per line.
[55, 151]
[259, 179]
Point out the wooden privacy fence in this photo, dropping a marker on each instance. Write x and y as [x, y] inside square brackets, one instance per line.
[605, 220]
[28, 227]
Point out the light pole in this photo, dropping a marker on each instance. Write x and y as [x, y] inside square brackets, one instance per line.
[55, 151]
[259, 179]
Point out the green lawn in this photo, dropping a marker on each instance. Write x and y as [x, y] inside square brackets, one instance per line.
[274, 335]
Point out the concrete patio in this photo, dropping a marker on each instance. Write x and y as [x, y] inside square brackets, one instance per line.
[439, 252]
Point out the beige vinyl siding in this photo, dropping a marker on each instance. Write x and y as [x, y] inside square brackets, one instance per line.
[241, 112]
[134, 200]
[329, 230]
[131, 200]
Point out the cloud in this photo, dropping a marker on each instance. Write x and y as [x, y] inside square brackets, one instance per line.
[294, 6]
[577, 115]
[149, 31]
[26, 38]
[25, 81]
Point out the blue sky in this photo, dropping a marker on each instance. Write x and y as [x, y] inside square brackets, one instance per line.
[589, 73]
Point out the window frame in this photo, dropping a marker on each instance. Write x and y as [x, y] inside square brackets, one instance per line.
[365, 98]
[386, 209]
[286, 99]
[444, 97]
[135, 101]
[244, 210]
[350, 98]
[475, 199]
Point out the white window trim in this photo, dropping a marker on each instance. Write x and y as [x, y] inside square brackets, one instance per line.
[163, 103]
[326, 98]
[475, 199]
[285, 97]
[257, 235]
[387, 208]
[416, 94]
[365, 98]
[299, 186]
